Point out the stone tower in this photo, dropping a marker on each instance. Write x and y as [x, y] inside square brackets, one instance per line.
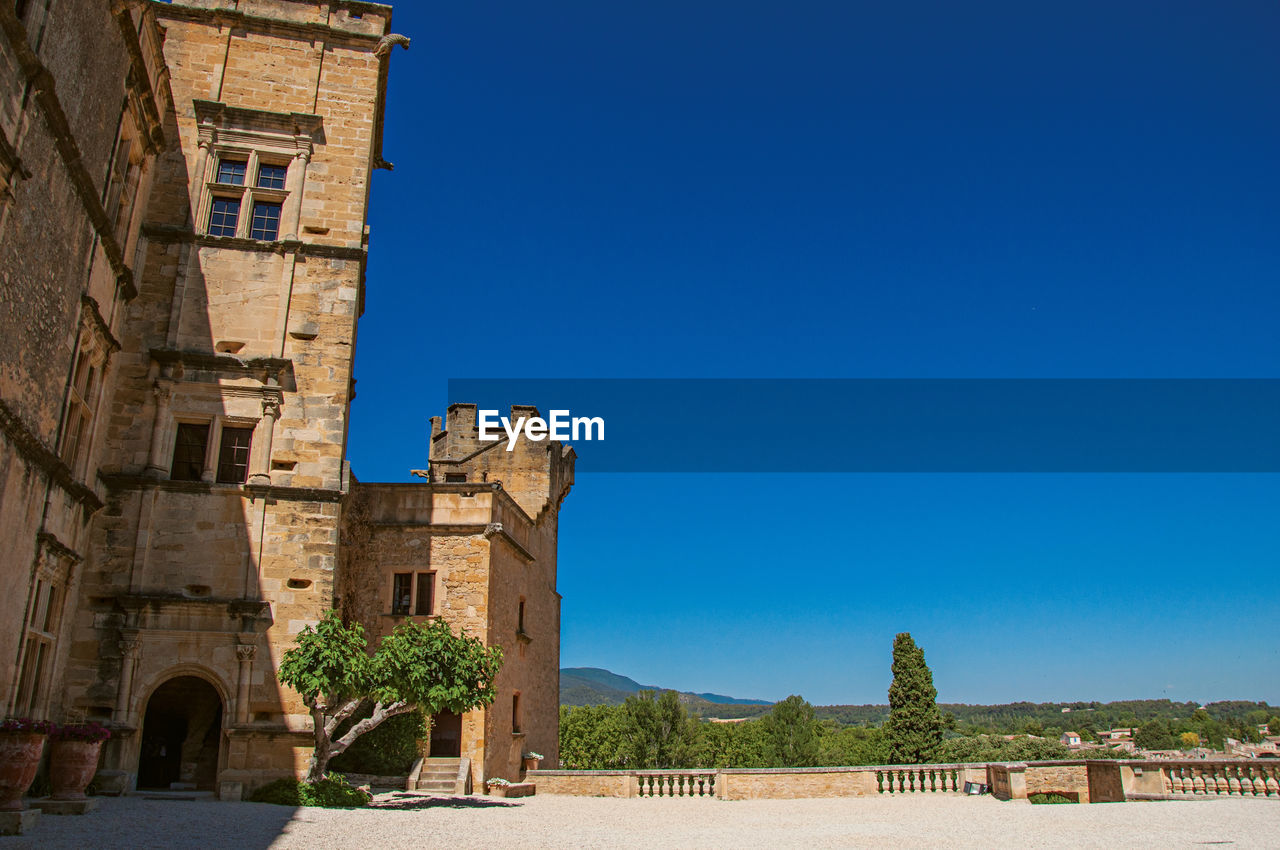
[476, 546]
[221, 434]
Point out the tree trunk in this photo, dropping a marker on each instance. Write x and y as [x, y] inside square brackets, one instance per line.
[327, 724]
[320, 755]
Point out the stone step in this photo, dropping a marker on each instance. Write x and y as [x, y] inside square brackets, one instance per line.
[443, 785]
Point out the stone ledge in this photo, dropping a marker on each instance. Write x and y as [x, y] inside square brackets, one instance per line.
[51, 806]
[18, 823]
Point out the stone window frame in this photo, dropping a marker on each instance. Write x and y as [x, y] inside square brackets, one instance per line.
[415, 579]
[213, 443]
[41, 628]
[259, 138]
[85, 390]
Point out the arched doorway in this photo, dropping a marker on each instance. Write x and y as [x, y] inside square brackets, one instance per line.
[181, 736]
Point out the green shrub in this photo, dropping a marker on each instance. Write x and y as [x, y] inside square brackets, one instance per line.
[390, 749]
[282, 792]
[332, 792]
[1050, 799]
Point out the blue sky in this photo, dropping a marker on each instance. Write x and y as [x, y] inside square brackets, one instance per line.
[823, 189]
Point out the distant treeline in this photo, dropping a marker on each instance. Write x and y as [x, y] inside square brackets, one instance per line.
[1236, 719]
[657, 731]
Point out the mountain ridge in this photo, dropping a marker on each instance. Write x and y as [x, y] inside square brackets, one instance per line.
[597, 686]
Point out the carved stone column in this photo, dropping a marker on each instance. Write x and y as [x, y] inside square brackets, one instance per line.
[198, 174]
[129, 646]
[295, 182]
[156, 465]
[245, 654]
[261, 467]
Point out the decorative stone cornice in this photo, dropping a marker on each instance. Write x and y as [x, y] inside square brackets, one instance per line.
[51, 544]
[303, 30]
[170, 234]
[139, 76]
[278, 370]
[93, 318]
[44, 458]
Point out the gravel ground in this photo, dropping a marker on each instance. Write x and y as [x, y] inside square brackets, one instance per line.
[425, 821]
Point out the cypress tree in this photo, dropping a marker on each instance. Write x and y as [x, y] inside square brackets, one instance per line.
[914, 728]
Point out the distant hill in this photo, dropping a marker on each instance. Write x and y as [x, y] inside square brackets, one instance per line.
[596, 686]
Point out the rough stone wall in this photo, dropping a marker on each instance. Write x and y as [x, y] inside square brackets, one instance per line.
[1055, 778]
[209, 579]
[58, 286]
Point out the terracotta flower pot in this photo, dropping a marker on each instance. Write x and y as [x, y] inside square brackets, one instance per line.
[498, 790]
[72, 765]
[19, 761]
[531, 764]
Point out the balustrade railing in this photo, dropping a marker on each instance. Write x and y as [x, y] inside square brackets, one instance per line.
[917, 780]
[1236, 779]
[676, 783]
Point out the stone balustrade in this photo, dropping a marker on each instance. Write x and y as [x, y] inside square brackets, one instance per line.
[676, 783]
[1251, 778]
[1087, 781]
[927, 779]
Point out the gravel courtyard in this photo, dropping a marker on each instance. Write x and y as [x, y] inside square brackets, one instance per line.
[423, 821]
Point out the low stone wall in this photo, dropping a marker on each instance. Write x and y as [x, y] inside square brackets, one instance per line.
[1058, 778]
[1097, 781]
[762, 783]
[584, 783]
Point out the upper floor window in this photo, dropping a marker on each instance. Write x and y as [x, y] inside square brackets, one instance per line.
[266, 221]
[192, 460]
[83, 398]
[233, 455]
[413, 593]
[189, 450]
[224, 217]
[247, 183]
[232, 171]
[271, 176]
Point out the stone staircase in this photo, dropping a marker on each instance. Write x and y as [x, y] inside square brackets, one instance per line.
[441, 776]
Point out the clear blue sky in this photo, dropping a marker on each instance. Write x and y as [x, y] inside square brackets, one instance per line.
[835, 189]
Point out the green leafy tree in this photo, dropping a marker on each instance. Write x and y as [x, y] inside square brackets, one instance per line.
[792, 733]
[914, 728]
[591, 737]
[414, 667]
[840, 746]
[1154, 735]
[657, 732]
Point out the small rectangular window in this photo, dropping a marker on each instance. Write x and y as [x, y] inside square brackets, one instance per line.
[189, 450]
[515, 712]
[520, 618]
[401, 593]
[224, 216]
[232, 171]
[233, 455]
[455, 478]
[271, 176]
[266, 221]
[426, 595]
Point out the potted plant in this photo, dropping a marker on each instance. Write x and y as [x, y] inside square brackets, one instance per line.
[497, 786]
[73, 758]
[531, 760]
[21, 744]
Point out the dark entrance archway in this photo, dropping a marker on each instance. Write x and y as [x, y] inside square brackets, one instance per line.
[446, 735]
[181, 736]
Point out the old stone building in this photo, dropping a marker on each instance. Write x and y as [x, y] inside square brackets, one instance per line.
[183, 205]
